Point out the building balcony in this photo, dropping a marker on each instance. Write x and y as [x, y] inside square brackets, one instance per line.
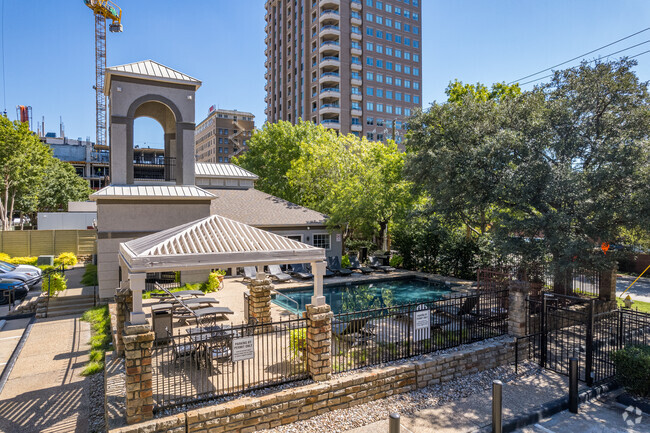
[356, 127]
[330, 92]
[356, 51]
[329, 4]
[355, 5]
[356, 81]
[356, 66]
[356, 97]
[356, 36]
[329, 77]
[330, 61]
[330, 30]
[331, 108]
[355, 21]
[356, 112]
[329, 14]
[331, 123]
[330, 48]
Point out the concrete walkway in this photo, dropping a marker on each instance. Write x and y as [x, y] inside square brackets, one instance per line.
[474, 413]
[45, 392]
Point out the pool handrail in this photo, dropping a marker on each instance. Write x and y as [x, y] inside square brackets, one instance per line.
[292, 300]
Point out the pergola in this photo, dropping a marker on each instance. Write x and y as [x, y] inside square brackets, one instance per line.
[210, 243]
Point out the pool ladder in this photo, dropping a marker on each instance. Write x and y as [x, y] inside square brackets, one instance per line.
[290, 300]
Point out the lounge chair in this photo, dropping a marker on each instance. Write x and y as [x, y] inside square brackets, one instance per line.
[375, 264]
[334, 265]
[199, 313]
[356, 266]
[277, 273]
[298, 270]
[250, 273]
[193, 302]
[357, 329]
[183, 294]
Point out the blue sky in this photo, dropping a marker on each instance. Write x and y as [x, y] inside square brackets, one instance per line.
[49, 49]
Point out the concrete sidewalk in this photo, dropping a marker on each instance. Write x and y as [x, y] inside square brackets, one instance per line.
[474, 413]
[45, 392]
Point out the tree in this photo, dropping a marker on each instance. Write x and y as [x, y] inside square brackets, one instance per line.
[457, 91]
[22, 164]
[271, 150]
[553, 171]
[60, 185]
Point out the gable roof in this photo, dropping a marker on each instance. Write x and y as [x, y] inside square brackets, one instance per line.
[136, 192]
[222, 170]
[259, 209]
[214, 241]
[150, 70]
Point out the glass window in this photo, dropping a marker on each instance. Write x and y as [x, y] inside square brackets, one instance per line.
[407, 55]
[398, 39]
[407, 13]
[369, 61]
[380, 137]
[389, 36]
[389, 22]
[369, 106]
[389, 94]
[398, 25]
[398, 11]
[380, 107]
[398, 81]
[407, 69]
[380, 78]
[416, 85]
[369, 76]
[389, 51]
[369, 135]
[389, 79]
[407, 42]
[407, 27]
[369, 31]
[380, 63]
[416, 30]
[380, 122]
[369, 46]
[380, 49]
[379, 19]
[389, 66]
[416, 43]
[370, 121]
[220, 159]
[416, 16]
[322, 240]
[416, 58]
[389, 8]
[369, 2]
[407, 84]
[416, 71]
[370, 91]
[379, 5]
[407, 97]
[398, 67]
[416, 99]
[389, 109]
[407, 111]
[379, 34]
[398, 96]
[369, 16]
[380, 93]
[398, 53]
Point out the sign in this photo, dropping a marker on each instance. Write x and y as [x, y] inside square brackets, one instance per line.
[604, 247]
[422, 323]
[338, 237]
[243, 348]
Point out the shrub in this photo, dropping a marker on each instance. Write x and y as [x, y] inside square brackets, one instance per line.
[633, 369]
[213, 282]
[345, 261]
[23, 260]
[298, 342]
[54, 283]
[66, 259]
[5, 257]
[90, 276]
[396, 261]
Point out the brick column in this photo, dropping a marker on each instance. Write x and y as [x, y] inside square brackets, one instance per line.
[123, 301]
[607, 285]
[518, 291]
[138, 341]
[259, 303]
[319, 341]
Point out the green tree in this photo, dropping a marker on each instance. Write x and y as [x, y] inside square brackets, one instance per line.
[22, 164]
[59, 185]
[553, 171]
[457, 91]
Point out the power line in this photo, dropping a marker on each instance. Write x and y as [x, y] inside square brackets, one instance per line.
[4, 87]
[581, 55]
[595, 60]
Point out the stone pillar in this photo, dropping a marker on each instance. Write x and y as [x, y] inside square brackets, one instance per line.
[518, 291]
[138, 341]
[318, 269]
[137, 286]
[607, 285]
[123, 303]
[259, 303]
[319, 341]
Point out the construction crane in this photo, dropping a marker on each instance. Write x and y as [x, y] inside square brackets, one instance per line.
[103, 9]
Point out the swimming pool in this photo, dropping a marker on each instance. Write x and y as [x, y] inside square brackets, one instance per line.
[355, 297]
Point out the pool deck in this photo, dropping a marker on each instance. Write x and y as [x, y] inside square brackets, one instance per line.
[232, 294]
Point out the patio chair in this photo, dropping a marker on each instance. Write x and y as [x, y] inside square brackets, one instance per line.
[277, 273]
[180, 294]
[250, 273]
[355, 265]
[375, 264]
[468, 305]
[183, 350]
[298, 270]
[193, 302]
[357, 330]
[334, 265]
[200, 313]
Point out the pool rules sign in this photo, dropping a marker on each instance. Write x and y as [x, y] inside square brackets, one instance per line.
[243, 349]
[421, 323]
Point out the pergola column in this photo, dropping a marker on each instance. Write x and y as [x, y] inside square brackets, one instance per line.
[137, 286]
[318, 269]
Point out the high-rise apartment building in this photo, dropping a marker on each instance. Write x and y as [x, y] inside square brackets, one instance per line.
[351, 65]
[222, 135]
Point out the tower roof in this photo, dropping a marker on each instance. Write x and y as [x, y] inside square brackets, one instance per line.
[148, 69]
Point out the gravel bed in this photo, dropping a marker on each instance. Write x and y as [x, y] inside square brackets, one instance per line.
[345, 419]
[97, 418]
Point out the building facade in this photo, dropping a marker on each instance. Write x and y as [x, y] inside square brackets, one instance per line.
[351, 65]
[91, 161]
[223, 134]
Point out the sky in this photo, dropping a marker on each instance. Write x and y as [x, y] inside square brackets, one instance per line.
[49, 60]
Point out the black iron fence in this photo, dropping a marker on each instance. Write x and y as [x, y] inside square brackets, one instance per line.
[165, 280]
[215, 360]
[561, 327]
[376, 336]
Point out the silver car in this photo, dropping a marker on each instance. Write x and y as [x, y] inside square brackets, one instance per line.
[30, 275]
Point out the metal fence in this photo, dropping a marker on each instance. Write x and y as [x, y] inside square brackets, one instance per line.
[216, 360]
[376, 336]
[165, 280]
[561, 327]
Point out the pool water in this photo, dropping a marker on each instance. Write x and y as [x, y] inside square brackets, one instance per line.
[355, 297]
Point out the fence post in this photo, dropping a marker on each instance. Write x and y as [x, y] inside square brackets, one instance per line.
[123, 300]
[497, 406]
[319, 341]
[518, 292]
[259, 301]
[607, 286]
[138, 341]
[542, 328]
[573, 385]
[589, 359]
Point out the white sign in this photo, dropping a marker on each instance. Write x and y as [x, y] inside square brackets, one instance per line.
[243, 348]
[338, 237]
[422, 322]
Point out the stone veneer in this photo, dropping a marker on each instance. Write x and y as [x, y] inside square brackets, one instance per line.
[138, 341]
[249, 414]
[259, 302]
[319, 341]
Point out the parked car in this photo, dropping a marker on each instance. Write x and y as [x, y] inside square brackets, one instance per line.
[12, 290]
[30, 275]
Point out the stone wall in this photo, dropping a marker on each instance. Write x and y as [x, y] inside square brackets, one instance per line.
[249, 414]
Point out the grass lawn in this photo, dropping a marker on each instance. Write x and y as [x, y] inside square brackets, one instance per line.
[644, 307]
[100, 341]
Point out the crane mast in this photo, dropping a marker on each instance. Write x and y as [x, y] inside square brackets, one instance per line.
[102, 9]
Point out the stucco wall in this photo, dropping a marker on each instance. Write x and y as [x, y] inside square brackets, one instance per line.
[336, 239]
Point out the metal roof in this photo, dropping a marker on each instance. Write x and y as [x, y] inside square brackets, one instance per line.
[231, 171]
[158, 191]
[214, 242]
[151, 70]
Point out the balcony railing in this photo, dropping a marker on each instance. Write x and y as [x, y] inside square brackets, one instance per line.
[329, 11]
[330, 106]
[335, 43]
[330, 27]
[330, 58]
[330, 74]
[159, 169]
[330, 89]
